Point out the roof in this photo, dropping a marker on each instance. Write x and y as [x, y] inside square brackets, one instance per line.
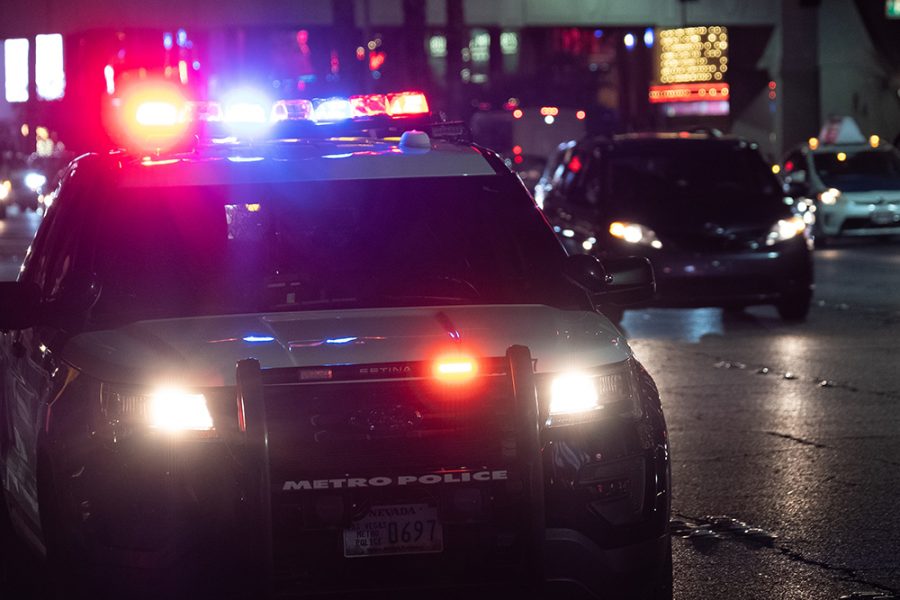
[307, 160]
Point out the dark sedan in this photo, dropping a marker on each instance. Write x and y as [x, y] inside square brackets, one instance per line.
[705, 209]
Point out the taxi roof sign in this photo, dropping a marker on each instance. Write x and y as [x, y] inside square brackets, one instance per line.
[841, 130]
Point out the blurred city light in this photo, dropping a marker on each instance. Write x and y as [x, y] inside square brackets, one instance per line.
[49, 75]
[15, 60]
[629, 41]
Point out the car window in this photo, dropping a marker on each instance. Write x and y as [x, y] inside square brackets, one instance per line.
[170, 252]
[857, 171]
[55, 240]
[673, 183]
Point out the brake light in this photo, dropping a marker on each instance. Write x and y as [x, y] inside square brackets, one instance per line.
[456, 369]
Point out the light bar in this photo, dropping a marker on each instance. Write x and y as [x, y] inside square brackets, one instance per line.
[150, 117]
[201, 111]
[245, 112]
[156, 114]
[285, 110]
[333, 109]
[364, 106]
[369, 105]
[407, 103]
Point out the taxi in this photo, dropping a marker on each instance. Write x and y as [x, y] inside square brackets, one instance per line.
[327, 346]
[853, 181]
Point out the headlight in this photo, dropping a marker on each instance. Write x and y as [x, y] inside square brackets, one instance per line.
[165, 409]
[830, 196]
[578, 396]
[35, 181]
[785, 229]
[5, 188]
[634, 233]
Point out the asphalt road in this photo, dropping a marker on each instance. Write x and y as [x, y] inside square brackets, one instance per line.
[793, 430]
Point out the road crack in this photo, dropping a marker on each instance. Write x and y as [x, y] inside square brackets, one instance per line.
[794, 438]
[709, 530]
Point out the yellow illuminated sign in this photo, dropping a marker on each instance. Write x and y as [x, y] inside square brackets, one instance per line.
[692, 55]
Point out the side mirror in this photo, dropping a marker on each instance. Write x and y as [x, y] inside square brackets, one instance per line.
[618, 281]
[630, 281]
[19, 305]
[586, 272]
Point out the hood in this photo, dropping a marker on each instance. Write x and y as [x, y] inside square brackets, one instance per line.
[203, 351]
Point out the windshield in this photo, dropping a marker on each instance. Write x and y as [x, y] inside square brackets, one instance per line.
[859, 171]
[170, 252]
[675, 184]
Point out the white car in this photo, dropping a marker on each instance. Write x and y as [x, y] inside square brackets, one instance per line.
[356, 360]
[854, 182]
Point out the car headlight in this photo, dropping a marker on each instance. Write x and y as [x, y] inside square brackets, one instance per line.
[634, 233]
[5, 189]
[830, 196]
[165, 409]
[579, 396]
[35, 181]
[785, 229]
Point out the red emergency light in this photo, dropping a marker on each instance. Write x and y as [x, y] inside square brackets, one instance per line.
[397, 104]
[152, 116]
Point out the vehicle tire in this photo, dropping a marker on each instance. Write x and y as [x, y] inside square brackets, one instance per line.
[794, 306]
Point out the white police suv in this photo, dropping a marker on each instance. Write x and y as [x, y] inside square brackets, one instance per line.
[343, 354]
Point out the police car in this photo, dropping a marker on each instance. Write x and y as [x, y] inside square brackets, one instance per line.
[329, 348]
[853, 181]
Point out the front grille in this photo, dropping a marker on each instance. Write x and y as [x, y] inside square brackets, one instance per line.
[328, 429]
[728, 241]
[863, 223]
[336, 450]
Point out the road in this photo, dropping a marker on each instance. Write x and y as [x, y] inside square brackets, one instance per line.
[792, 429]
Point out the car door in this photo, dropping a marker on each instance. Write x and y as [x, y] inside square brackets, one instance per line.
[31, 370]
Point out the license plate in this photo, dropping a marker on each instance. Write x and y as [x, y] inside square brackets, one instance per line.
[395, 529]
[883, 217]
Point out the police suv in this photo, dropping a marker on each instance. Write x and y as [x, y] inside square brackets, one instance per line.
[339, 351]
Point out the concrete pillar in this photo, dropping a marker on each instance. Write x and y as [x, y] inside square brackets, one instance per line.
[798, 87]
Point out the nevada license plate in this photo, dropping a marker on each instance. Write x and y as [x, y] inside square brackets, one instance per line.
[395, 529]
